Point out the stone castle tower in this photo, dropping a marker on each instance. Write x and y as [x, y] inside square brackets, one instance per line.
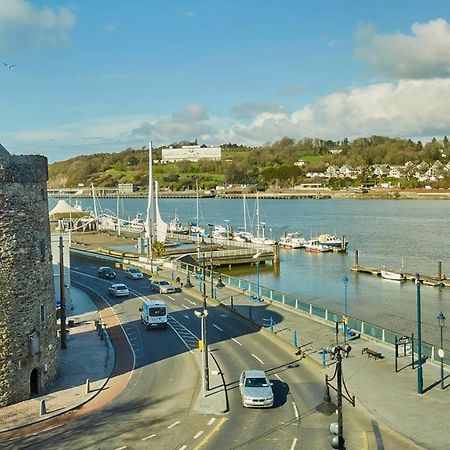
[28, 335]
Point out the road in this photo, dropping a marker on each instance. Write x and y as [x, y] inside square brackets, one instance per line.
[156, 408]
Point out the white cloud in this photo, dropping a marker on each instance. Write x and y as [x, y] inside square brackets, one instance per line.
[250, 109]
[408, 108]
[425, 53]
[24, 25]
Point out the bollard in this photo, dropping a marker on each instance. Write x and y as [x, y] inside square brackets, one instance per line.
[271, 324]
[88, 386]
[101, 333]
[231, 302]
[295, 339]
[96, 324]
[324, 355]
[42, 408]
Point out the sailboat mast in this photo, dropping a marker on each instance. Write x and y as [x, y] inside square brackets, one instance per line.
[197, 225]
[245, 214]
[149, 230]
[118, 214]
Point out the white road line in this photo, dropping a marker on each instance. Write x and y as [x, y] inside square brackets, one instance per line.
[120, 448]
[254, 356]
[171, 298]
[190, 301]
[295, 410]
[184, 306]
[183, 448]
[133, 338]
[185, 316]
[215, 326]
[198, 435]
[149, 437]
[278, 376]
[237, 342]
[173, 425]
[294, 443]
[211, 421]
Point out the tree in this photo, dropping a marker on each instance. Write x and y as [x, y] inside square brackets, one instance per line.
[158, 249]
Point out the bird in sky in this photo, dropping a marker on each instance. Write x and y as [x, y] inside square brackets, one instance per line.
[9, 66]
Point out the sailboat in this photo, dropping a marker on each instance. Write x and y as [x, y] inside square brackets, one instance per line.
[260, 239]
[242, 235]
[155, 227]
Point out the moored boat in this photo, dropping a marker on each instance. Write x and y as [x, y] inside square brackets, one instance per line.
[332, 241]
[292, 240]
[315, 246]
[394, 276]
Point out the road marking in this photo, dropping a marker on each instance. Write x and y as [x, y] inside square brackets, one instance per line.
[121, 448]
[190, 301]
[149, 437]
[173, 425]
[278, 376]
[203, 443]
[215, 326]
[237, 342]
[294, 443]
[254, 356]
[295, 410]
[198, 435]
[183, 448]
[171, 298]
[184, 306]
[133, 338]
[365, 440]
[185, 316]
[211, 421]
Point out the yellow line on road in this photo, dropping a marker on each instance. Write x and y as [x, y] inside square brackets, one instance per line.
[210, 434]
[365, 441]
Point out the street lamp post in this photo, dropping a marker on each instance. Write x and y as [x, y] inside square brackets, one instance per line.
[441, 320]
[419, 337]
[345, 281]
[205, 369]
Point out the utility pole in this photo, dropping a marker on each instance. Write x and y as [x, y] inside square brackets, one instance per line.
[419, 337]
[204, 337]
[62, 294]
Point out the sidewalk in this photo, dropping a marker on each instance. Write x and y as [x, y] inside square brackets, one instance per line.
[86, 357]
[391, 397]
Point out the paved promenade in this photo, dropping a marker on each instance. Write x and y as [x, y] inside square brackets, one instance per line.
[86, 357]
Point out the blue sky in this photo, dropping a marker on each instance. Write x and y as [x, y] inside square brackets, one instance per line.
[91, 76]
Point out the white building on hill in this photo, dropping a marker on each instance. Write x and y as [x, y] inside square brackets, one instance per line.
[190, 153]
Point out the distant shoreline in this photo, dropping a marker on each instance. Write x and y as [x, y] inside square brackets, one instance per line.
[281, 194]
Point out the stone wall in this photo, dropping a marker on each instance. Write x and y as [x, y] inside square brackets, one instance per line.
[28, 334]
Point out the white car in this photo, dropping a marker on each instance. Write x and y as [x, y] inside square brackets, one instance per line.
[133, 273]
[256, 389]
[162, 286]
[118, 290]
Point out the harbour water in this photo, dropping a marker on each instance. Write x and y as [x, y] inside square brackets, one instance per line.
[392, 233]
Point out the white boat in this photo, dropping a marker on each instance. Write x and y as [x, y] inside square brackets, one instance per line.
[242, 236]
[175, 226]
[292, 240]
[315, 246]
[332, 241]
[388, 275]
[260, 238]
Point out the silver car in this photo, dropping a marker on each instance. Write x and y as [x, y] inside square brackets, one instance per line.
[162, 286]
[118, 290]
[133, 273]
[256, 389]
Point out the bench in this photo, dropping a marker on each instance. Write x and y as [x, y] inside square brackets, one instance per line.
[371, 353]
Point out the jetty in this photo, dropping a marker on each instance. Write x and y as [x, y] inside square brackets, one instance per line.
[440, 280]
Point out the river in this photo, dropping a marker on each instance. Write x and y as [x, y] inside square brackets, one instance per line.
[412, 233]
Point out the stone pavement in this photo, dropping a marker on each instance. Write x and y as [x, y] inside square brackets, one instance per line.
[391, 397]
[86, 357]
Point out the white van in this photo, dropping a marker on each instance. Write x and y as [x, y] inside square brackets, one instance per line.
[154, 314]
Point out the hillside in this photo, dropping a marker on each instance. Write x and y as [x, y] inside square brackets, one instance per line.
[267, 165]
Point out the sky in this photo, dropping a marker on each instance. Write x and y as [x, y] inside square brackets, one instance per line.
[94, 76]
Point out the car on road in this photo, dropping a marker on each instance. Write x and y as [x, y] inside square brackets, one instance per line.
[133, 273]
[118, 290]
[162, 286]
[106, 272]
[256, 389]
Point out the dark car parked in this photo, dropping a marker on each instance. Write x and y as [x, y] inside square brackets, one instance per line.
[106, 272]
